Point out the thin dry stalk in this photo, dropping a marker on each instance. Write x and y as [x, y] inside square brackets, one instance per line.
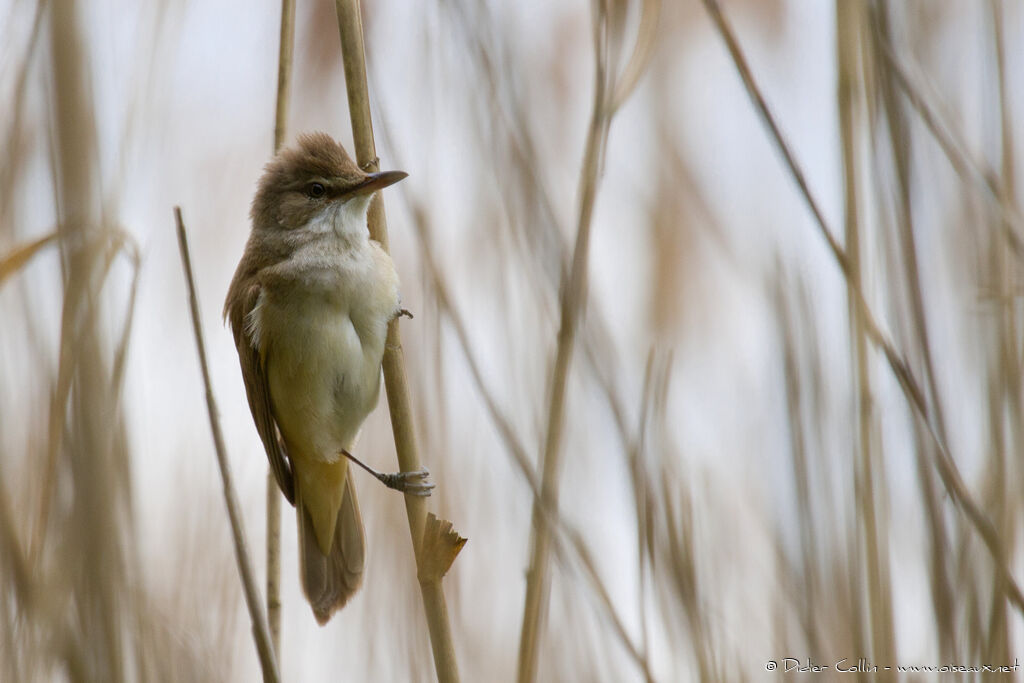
[643, 50]
[573, 300]
[122, 242]
[849, 21]
[917, 331]
[104, 646]
[966, 166]
[15, 147]
[261, 631]
[635, 456]
[13, 261]
[1004, 372]
[810, 585]
[13, 569]
[108, 246]
[446, 545]
[680, 563]
[673, 549]
[284, 69]
[948, 471]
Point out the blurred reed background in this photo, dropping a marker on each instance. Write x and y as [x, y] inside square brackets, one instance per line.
[774, 447]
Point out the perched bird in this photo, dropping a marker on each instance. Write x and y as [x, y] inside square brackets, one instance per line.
[309, 307]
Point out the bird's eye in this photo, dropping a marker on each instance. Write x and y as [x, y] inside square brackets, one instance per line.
[316, 190]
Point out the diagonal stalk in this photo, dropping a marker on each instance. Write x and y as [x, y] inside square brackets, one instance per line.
[260, 629]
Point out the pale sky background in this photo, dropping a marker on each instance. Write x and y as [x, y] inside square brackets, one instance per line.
[184, 94]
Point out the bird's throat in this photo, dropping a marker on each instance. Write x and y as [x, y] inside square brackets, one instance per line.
[345, 219]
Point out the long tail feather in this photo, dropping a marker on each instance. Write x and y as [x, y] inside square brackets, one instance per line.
[329, 581]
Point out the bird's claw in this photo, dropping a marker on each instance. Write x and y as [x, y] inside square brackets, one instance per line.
[412, 483]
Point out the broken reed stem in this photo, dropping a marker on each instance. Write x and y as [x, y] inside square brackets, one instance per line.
[944, 464]
[350, 28]
[573, 300]
[260, 629]
[284, 68]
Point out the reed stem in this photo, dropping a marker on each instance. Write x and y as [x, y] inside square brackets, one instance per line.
[435, 551]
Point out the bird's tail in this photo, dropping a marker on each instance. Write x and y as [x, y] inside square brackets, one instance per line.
[329, 580]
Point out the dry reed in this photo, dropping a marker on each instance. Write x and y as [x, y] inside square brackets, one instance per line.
[435, 545]
[286, 50]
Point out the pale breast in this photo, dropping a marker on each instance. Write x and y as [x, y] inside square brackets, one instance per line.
[324, 346]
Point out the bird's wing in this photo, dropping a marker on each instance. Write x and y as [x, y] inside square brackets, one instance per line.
[254, 372]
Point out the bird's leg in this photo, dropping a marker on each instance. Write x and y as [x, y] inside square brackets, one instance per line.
[413, 483]
[403, 312]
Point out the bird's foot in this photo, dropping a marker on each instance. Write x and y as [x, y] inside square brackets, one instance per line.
[414, 483]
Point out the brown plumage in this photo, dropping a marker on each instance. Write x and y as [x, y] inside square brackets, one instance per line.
[309, 307]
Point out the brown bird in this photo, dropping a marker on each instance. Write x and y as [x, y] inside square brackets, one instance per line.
[309, 307]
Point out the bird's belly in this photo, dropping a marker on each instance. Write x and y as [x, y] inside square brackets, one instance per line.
[324, 379]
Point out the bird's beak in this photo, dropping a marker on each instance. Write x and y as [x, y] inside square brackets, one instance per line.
[378, 181]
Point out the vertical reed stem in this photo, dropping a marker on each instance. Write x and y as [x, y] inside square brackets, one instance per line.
[850, 20]
[284, 68]
[574, 296]
[350, 27]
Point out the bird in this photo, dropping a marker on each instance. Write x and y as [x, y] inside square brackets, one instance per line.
[309, 307]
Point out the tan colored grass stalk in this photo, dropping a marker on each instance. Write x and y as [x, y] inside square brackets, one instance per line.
[14, 142]
[946, 467]
[811, 588]
[284, 69]
[850, 20]
[261, 631]
[18, 582]
[572, 303]
[1005, 367]
[14, 260]
[435, 544]
[97, 467]
[107, 247]
[917, 329]
[643, 51]
[16, 569]
[963, 162]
